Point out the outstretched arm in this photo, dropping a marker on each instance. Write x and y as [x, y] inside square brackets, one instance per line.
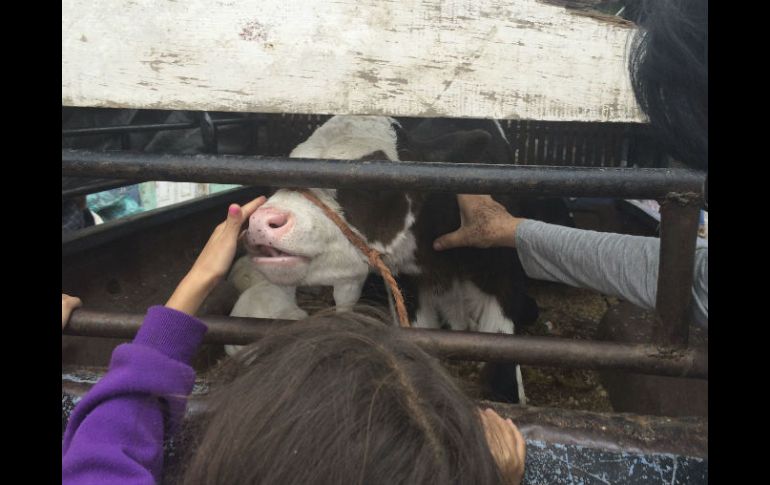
[115, 434]
[614, 264]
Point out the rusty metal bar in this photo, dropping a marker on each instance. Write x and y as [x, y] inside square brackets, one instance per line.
[678, 234]
[631, 183]
[645, 359]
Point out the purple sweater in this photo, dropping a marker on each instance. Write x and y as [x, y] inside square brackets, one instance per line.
[115, 434]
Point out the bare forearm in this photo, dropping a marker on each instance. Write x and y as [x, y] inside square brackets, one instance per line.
[192, 290]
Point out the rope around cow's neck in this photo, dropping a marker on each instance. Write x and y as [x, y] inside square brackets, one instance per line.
[374, 256]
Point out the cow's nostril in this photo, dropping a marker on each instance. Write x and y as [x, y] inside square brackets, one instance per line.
[277, 221]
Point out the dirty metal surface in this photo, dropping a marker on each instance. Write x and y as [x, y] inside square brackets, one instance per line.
[135, 262]
[554, 463]
[130, 265]
[678, 233]
[645, 394]
[618, 432]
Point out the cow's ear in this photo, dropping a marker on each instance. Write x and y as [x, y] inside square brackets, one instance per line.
[408, 150]
[378, 155]
[402, 136]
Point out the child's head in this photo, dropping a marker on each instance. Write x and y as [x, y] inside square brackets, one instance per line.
[669, 74]
[339, 398]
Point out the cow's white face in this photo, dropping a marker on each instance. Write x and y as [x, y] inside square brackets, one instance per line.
[291, 241]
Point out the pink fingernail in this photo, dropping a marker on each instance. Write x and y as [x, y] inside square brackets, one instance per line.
[234, 210]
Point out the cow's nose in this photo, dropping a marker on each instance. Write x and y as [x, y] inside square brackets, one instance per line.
[277, 220]
[271, 221]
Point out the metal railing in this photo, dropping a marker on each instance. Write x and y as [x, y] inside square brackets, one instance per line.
[634, 183]
[680, 191]
[476, 346]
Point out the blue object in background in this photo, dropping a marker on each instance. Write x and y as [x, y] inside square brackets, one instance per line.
[115, 203]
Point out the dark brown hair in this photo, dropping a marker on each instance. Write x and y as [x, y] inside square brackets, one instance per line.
[338, 398]
[669, 74]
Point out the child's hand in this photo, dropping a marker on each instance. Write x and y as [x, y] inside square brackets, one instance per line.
[506, 444]
[217, 256]
[68, 303]
[214, 260]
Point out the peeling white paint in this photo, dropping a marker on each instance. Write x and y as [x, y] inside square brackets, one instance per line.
[453, 58]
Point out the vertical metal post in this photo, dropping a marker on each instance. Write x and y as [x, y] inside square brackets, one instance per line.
[678, 233]
[208, 133]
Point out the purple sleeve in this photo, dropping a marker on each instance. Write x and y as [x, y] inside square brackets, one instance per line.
[115, 433]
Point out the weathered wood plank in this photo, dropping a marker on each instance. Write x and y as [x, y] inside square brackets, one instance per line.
[458, 58]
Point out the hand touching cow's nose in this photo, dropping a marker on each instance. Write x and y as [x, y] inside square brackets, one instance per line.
[214, 260]
[268, 224]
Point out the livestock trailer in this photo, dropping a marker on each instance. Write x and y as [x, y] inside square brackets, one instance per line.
[143, 101]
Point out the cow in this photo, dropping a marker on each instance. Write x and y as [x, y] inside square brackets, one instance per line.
[291, 242]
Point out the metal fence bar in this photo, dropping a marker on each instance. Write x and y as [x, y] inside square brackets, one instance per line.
[442, 177]
[89, 186]
[678, 233]
[119, 129]
[645, 359]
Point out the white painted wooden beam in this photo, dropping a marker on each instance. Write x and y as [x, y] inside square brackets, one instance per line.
[454, 58]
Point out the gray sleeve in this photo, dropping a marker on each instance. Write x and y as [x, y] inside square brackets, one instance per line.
[613, 264]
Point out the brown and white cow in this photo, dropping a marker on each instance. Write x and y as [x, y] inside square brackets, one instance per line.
[291, 242]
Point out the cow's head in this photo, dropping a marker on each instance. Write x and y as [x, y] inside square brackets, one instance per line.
[292, 242]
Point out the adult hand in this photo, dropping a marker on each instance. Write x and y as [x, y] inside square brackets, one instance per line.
[484, 223]
[214, 260]
[68, 303]
[506, 444]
